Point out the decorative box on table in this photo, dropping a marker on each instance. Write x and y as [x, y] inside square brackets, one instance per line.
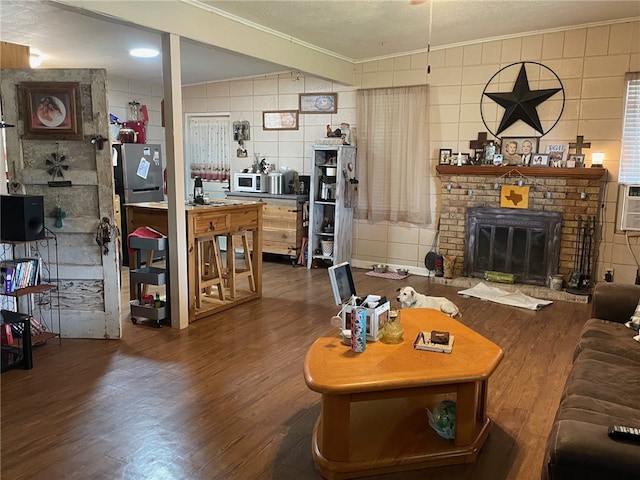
[376, 319]
[344, 293]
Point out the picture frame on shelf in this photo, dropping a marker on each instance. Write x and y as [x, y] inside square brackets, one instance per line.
[497, 160]
[280, 120]
[318, 102]
[520, 155]
[445, 156]
[465, 158]
[540, 160]
[575, 161]
[51, 110]
[535, 143]
[558, 154]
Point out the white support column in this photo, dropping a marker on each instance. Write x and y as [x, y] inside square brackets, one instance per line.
[178, 276]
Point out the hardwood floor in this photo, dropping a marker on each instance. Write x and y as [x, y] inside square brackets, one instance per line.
[225, 398]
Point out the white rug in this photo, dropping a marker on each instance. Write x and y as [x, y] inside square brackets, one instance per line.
[497, 295]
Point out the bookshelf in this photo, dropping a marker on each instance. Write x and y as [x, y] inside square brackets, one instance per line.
[34, 291]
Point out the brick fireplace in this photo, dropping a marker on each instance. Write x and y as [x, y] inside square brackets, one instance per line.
[572, 192]
[522, 242]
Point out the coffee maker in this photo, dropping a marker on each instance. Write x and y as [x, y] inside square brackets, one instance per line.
[198, 191]
[328, 183]
[328, 187]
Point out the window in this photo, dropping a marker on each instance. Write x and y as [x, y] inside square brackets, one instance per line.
[393, 155]
[630, 156]
[207, 150]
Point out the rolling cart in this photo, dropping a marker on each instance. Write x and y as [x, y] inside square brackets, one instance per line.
[155, 310]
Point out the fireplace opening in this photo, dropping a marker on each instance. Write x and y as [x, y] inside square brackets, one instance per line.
[525, 243]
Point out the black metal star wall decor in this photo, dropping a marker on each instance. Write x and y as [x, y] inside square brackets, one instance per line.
[521, 102]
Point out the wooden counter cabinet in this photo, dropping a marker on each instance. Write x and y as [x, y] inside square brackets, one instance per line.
[283, 221]
[221, 218]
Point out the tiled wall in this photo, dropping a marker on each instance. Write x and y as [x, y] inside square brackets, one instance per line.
[121, 91]
[247, 99]
[591, 63]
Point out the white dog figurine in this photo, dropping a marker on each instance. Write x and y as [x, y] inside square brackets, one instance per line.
[409, 298]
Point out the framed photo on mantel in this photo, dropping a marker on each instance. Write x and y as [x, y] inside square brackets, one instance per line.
[558, 154]
[445, 156]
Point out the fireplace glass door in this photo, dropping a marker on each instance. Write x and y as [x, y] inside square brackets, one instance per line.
[522, 242]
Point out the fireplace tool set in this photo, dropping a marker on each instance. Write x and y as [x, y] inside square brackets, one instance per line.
[580, 281]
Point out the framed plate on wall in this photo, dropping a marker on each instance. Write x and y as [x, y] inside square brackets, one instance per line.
[51, 110]
[318, 102]
[280, 120]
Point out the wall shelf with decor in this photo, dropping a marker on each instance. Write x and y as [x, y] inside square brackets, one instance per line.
[331, 201]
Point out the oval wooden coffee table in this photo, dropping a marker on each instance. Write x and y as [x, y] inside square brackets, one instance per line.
[374, 417]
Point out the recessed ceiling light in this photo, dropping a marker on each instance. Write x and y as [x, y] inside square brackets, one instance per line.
[35, 57]
[144, 52]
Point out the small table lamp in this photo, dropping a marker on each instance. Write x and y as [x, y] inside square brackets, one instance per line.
[597, 159]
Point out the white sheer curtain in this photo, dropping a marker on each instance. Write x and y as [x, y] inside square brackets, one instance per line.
[209, 140]
[393, 155]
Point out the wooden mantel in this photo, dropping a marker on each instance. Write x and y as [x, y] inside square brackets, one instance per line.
[514, 171]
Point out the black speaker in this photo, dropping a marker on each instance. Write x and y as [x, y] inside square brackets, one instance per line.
[22, 217]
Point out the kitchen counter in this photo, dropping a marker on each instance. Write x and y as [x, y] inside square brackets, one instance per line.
[221, 216]
[284, 218]
[258, 196]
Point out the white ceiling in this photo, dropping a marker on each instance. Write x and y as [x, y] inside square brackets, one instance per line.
[355, 30]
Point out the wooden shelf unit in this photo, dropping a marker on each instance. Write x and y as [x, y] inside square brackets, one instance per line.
[331, 219]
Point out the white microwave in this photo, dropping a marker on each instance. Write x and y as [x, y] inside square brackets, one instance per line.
[250, 182]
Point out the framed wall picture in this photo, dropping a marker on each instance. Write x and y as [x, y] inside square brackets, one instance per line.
[280, 120]
[445, 156]
[51, 110]
[318, 102]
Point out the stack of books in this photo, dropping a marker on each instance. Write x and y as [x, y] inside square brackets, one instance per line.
[19, 273]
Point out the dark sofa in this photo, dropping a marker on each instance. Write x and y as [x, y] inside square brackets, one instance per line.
[602, 389]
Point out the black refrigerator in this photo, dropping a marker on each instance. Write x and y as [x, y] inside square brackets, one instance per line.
[138, 177]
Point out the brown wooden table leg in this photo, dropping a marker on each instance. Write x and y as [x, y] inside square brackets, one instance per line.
[334, 427]
[482, 401]
[466, 405]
